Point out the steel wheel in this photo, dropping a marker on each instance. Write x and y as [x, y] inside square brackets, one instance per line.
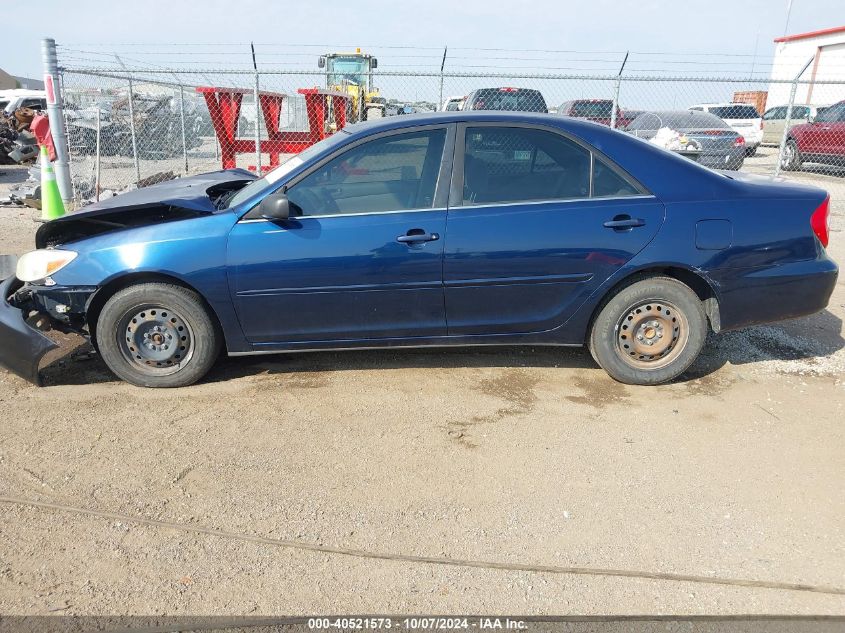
[651, 334]
[155, 339]
[790, 160]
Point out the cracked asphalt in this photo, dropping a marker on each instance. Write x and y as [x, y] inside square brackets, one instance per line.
[502, 480]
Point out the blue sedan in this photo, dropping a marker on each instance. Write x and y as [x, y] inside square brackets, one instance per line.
[455, 228]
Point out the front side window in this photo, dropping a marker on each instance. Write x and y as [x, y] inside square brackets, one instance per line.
[832, 114]
[799, 112]
[392, 173]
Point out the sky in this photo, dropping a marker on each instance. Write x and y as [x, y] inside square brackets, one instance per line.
[668, 26]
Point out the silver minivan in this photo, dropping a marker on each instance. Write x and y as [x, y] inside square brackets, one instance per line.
[774, 120]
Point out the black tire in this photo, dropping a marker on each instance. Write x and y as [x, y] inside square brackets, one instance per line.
[627, 344]
[791, 159]
[751, 151]
[157, 335]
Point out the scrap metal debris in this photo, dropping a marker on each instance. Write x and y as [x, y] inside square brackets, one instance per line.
[17, 143]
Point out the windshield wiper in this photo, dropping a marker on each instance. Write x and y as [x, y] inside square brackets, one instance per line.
[222, 201]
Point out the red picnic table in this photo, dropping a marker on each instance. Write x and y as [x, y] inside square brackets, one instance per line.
[224, 106]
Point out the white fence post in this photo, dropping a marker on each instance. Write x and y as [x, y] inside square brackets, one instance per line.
[792, 92]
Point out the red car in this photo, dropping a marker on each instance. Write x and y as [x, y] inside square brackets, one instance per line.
[596, 110]
[821, 141]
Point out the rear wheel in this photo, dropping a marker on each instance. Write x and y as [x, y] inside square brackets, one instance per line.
[791, 159]
[157, 335]
[649, 332]
[751, 151]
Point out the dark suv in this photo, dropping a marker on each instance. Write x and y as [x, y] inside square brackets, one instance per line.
[515, 99]
[821, 141]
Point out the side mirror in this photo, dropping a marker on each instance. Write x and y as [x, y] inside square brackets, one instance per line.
[321, 62]
[274, 207]
[373, 63]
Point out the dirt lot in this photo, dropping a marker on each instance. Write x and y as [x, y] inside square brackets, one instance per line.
[496, 480]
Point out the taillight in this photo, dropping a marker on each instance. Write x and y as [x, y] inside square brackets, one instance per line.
[820, 222]
[508, 89]
[739, 142]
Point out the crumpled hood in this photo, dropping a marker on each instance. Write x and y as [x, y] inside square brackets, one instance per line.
[190, 192]
[169, 201]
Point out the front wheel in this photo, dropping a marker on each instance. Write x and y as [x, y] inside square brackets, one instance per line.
[649, 332]
[157, 335]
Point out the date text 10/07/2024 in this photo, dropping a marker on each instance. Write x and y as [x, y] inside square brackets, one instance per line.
[417, 623]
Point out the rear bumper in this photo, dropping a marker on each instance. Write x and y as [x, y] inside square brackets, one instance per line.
[756, 296]
[723, 160]
[21, 346]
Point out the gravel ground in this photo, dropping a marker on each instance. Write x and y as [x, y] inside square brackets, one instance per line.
[495, 480]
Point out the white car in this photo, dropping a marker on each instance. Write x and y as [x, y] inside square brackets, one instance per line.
[11, 100]
[742, 117]
[453, 103]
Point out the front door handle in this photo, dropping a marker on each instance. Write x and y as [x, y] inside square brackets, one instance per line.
[417, 235]
[624, 223]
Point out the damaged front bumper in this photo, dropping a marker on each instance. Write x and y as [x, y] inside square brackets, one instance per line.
[22, 346]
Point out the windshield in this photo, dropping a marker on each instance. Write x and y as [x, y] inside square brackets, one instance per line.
[262, 184]
[514, 99]
[347, 70]
[597, 109]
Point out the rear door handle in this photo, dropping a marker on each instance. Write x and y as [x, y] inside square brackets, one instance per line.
[413, 237]
[622, 222]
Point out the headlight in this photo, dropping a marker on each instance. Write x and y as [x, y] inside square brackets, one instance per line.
[37, 265]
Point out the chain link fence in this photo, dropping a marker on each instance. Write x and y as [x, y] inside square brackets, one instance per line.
[132, 127]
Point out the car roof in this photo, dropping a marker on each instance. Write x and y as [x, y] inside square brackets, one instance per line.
[719, 105]
[22, 92]
[457, 116]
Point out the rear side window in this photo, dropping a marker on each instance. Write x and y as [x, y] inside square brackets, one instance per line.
[594, 109]
[504, 165]
[735, 112]
[609, 183]
[522, 164]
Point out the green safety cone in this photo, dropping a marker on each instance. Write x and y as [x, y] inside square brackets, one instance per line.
[52, 206]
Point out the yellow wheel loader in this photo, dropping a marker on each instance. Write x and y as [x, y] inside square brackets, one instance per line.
[352, 73]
